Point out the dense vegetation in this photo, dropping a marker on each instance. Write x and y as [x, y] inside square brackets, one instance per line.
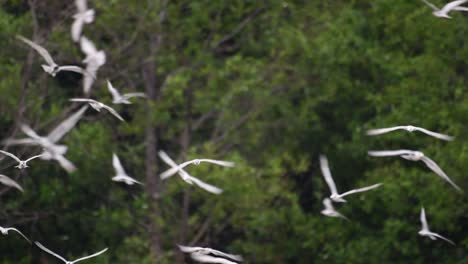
[269, 85]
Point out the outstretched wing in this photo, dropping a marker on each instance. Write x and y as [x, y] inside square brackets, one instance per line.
[187, 249]
[113, 112]
[10, 155]
[388, 153]
[131, 95]
[435, 168]
[34, 157]
[19, 232]
[435, 134]
[43, 52]
[435, 8]
[422, 217]
[117, 165]
[210, 259]
[361, 189]
[217, 162]
[87, 46]
[81, 5]
[9, 182]
[328, 204]
[379, 131]
[50, 251]
[90, 256]
[225, 255]
[444, 238]
[448, 7]
[76, 29]
[327, 174]
[64, 127]
[65, 163]
[168, 173]
[115, 94]
[29, 132]
[207, 187]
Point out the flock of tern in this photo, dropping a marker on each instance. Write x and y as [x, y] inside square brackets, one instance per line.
[95, 58]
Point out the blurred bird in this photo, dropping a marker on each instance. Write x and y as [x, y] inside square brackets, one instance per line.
[64, 260]
[118, 98]
[94, 60]
[380, 131]
[415, 156]
[330, 210]
[52, 68]
[121, 176]
[5, 180]
[48, 143]
[22, 164]
[425, 229]
[210, 259]
[187, 177]
[168, 173]
[83, 16]
[98, 106]
[206, 251]
[452, 6]
[5, 230]
[335, 196]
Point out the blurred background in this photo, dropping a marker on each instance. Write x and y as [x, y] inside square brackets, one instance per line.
[269, 85]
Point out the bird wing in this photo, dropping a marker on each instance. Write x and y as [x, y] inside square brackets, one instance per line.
[131, 95]
[448, 7]
[29, 132]
[435, 134]
[187, 249]
[361, 189]
[83, 100]
[164, 157]
[374, 132]
[77, 69]
[207, 187]
[87, 46]
[65, 163]
[217, 162]
[170, 172]
[210, 259]
[50, 251]
[76, 29]
[435, 168]
[422, 217]
[43, 52]
[435, 8]
[9, 182]
[10, 155]
[327, 174]
[385, 153]
[19, 232]
[460, 8]
[81, 5]
[117, 165]
[442, 237]
[328, 204]
[226, 255]
[34, 157]
[90, 256]
[115, 94]
[69, 123]
[113, 112]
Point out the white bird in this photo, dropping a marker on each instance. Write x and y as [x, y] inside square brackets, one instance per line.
[48, 143]
[425, 229]
[53, 68]
[210, 259]
[121, 176]
[83, 16]
[206, 251]
[98, 106]
[5, 180]
[4, 231]
[452, 6]
[118, 98]
[415, 156]
[187, 177]
[168, 173]
[64, 260]
[94, 60]
[22, 164]
[380, 131]
[335, 196]
[330, 210]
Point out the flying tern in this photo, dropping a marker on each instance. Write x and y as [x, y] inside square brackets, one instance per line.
[118, 98]
[207, 251]
[201, 258]
[49, 142]
[5, 230]
[380, 131]
[53, 68]
[98, 106]
[187, 177]
[94, 60]
[22, 164]
[121, 175]
[5, 180]
[330, 210]
[425, 229]
[415, 156]
[452, 6]
[83, 16]
[64, 260]
[335, 196]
